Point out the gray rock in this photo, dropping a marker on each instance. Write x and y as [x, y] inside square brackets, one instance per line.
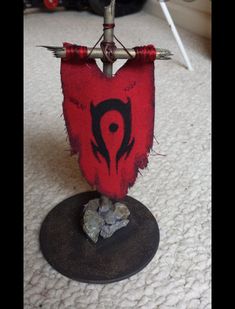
[92, 224]
[109, 217]
[121, 211]
[92, 205]
[108, 230]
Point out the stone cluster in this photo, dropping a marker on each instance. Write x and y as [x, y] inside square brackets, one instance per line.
[103, 217]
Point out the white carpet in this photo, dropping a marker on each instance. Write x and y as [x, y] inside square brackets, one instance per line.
[176, 188]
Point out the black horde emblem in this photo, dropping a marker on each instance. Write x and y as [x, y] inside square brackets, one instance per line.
[97, 112]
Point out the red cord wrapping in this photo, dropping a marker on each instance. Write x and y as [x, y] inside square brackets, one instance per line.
[145, 53]
[108, 49]
[108, 26]
[76, 51]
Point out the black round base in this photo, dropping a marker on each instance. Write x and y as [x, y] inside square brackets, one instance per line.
[68, 250]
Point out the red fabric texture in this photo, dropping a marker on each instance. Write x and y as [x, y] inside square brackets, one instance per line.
[110, 121]
[51, 4]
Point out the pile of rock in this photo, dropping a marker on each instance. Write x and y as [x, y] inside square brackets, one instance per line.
[103, 217]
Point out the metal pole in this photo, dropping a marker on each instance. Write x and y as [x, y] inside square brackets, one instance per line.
[109, 15]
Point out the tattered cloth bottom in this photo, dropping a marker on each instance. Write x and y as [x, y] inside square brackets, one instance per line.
[110, 121]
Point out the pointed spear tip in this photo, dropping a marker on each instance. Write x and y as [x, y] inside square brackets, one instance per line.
[112, 3]
[47, 47]
[43, 46]
[51, 48]
[110, 7]
[163, 54]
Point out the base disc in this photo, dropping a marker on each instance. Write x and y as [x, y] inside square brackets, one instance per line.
[68, 250]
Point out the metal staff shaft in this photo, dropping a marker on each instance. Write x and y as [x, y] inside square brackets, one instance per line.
[109, 14]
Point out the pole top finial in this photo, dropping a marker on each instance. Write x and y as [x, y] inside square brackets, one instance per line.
[111, 6]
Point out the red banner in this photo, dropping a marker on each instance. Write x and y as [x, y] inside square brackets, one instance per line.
[110, 121]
